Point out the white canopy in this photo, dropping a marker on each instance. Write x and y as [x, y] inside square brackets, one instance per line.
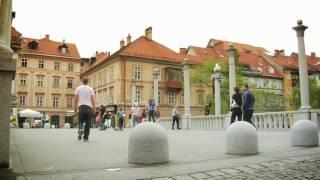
[29, 113]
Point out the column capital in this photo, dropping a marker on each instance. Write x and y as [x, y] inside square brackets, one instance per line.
[300, 28]
[185, 62]
[231, 49]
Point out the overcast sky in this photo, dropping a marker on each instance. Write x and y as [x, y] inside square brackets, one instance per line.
[100, 24]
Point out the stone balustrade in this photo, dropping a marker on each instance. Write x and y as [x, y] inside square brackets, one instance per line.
[282, 120]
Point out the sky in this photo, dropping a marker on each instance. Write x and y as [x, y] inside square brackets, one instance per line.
[99, 25]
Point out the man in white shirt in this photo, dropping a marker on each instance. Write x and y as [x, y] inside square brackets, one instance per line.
[84, 102]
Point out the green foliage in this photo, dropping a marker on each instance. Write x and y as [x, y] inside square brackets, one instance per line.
[314, 91]
[267, 101]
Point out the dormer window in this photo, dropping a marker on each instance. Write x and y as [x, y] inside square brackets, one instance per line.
[33, 44]
[248, 51]
[63, 48]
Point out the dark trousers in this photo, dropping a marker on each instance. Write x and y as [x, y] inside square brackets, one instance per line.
[236, 112]
[85, 116]
[120, 123]
[247, 115]
[151, 114]
[175, 119]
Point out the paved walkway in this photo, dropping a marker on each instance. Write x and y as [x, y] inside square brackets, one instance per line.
[56, 154]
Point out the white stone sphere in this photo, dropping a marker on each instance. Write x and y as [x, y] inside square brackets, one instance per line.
[26, 125]
[148, 144]
[46, 126]
[304, 133]
[66, 125]
[241, 139]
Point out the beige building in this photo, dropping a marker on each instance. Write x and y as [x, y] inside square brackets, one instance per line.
[111, 76]
[46, 77]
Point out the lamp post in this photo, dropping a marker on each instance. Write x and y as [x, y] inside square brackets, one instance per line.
[218, 77]
[186, 84]
[133, 91]
[155, 86]
[303, 69]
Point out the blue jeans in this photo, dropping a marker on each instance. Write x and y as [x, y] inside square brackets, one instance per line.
[135, 120]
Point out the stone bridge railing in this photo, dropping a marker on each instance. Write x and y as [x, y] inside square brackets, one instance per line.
[263, 121]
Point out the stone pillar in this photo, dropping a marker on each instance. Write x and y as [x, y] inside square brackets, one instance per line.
[218, 77]
[186, 82]
[133, 91]
[155, 87]
[7, 72]
[232, 70]
[303, 69]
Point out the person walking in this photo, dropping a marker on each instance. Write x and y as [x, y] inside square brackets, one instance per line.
[236, 105]
[85, 104]
[121, 115]
[175, 117]
[248, 105]
[135, 113]
[152, 110]
[143, 115]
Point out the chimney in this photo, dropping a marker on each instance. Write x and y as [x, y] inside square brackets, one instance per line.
[128, 39]
[47, 36]
[183, 51]
[313, 55]
[109, 53]
[122, 44]
[294, 55]
[278, 52]
[63, 41]
[97, 53]
[148, 33]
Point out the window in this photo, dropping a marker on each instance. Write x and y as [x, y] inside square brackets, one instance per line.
[69, 101]
[56, 82]
[273, 84]
[138, 96]
[137, 72]
[110, 95]
[174, 75]
[56, 65]
[22, 100]
[40, 81]
[158, 70]
[159, 97]
[200, 97]
[171, 97]
[70, 67]
[64, 50]
[23, 80]
[99, 79]
[70, 83]
[105, 76]
[24, 62]
[39, 101]
[111, 73]
[55, 101]
[41, 64]
[182, 97]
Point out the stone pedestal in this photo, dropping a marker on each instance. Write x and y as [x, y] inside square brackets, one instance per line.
[241, 139]
[66, 126]
[148, 144]
[304, 133]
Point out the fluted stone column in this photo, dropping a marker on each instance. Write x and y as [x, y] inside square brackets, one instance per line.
[7, 71]
[186, 81]
[232, 71]
[133, 91]
[303, 69]
[155, 87]
[217, 96]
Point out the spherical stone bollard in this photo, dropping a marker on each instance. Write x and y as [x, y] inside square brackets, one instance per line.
[148, 144]
[67, 126]
[46, 126]
[304, 133]
[26, 126]
[241, 139]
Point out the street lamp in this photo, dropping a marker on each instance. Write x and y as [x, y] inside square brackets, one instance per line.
[217, 76]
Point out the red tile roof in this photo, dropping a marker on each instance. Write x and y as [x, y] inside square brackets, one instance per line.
[291, 62]
[49, 47]
[314, 62]
[224, 45]
[100, 57]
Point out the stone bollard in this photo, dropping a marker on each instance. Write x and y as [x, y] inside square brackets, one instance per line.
[66, 126]
[241, 139]
[148, 144]
[26, 125]
[46, 126]
[304, 133]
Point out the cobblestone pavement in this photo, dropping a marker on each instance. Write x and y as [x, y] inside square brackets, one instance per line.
[306, 167]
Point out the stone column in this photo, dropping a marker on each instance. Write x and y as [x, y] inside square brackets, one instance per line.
[218, 77]
[133, 91]
[186, 82]
[232, 70]
[7, 72]
[155, 86]
[303, 69]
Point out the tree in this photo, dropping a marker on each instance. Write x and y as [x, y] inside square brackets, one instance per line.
[314, 91]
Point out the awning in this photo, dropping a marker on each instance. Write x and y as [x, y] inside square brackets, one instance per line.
[29, 113]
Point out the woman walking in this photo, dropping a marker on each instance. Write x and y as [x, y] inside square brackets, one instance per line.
[236, 105]
[121, 116]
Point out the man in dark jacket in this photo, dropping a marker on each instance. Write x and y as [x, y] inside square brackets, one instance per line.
[248, 105]
[236, 105]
